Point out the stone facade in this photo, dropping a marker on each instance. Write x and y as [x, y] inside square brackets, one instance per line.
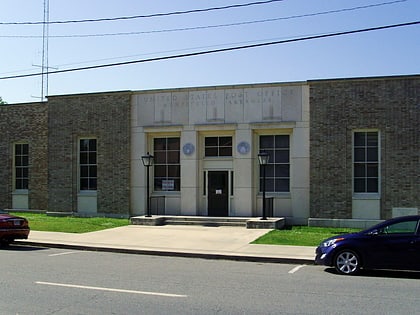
[244, 113]
[24, 123]
[390, 105]
[106, 117]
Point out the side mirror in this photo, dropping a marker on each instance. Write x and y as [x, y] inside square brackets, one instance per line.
[373, 233]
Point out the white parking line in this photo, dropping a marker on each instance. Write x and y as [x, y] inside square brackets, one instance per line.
[59, 254]
[110, 289]
[296, 269]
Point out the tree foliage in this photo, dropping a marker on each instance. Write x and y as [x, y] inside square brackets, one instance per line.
[2, 102]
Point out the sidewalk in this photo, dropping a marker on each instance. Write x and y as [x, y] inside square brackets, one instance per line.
[221, 242]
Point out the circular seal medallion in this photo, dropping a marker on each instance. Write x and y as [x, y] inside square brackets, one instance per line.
[188, 149]
[243, 147]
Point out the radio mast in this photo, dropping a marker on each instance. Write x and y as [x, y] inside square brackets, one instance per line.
[44, 65]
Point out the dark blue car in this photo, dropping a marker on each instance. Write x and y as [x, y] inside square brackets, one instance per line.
[392, 244]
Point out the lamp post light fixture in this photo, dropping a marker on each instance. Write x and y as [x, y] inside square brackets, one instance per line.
[263, 159]
[147, 162]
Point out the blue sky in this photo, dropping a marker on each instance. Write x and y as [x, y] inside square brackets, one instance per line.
[378, 53]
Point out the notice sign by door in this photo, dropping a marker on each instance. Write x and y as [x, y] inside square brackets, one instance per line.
[218, 191]
[168, 184]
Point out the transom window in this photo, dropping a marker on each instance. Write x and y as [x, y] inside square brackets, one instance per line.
[278, 168]
[167, 168]
[88, 164]
[218, 146]
[21, 165]
[366, 162]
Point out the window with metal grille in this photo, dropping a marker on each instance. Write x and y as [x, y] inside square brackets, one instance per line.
[88, 164]
[366, 162]
[21, 166]
[167, 168]
[277, 170]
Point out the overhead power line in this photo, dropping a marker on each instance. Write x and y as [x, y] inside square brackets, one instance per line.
[233, 6]
[218, 50]
[211, 26]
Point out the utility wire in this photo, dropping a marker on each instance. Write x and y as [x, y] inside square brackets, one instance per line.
[219, 50]
[179, 50]
[233, 6]
[210, 26]
[194, 28]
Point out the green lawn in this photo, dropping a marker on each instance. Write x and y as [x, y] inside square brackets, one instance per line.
[42, 222]
[300, 235]
[297, 235]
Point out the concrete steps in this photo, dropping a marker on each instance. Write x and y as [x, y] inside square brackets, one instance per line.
[206, 221]
[250, 223]
[192, 220]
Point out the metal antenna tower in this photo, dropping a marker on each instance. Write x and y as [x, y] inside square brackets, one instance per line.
[44, 65]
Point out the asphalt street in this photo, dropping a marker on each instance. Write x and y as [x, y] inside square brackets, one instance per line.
[38, 280]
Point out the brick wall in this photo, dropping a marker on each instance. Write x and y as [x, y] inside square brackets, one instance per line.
[337, 108]
[105, 116]
[24, 123]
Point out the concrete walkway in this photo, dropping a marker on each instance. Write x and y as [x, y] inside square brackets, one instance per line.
[223, 242]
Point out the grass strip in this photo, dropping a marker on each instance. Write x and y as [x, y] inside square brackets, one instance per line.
[301, 235]
[43, 222]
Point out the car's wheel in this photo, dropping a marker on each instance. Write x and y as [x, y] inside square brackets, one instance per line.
[347, 262]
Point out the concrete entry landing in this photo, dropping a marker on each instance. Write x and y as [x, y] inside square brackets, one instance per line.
[249, 223]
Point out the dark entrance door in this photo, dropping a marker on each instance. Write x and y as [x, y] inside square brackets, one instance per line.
[218, 195]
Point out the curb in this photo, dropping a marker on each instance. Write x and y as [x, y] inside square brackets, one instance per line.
[275, 260]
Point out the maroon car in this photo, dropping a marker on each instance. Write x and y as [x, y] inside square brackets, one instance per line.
[12, 228]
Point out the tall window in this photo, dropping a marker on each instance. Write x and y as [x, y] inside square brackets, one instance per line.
[218, 146]
[366, 162]
[167, 168]
[278, 169]
[88, 164]
[21, 165]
